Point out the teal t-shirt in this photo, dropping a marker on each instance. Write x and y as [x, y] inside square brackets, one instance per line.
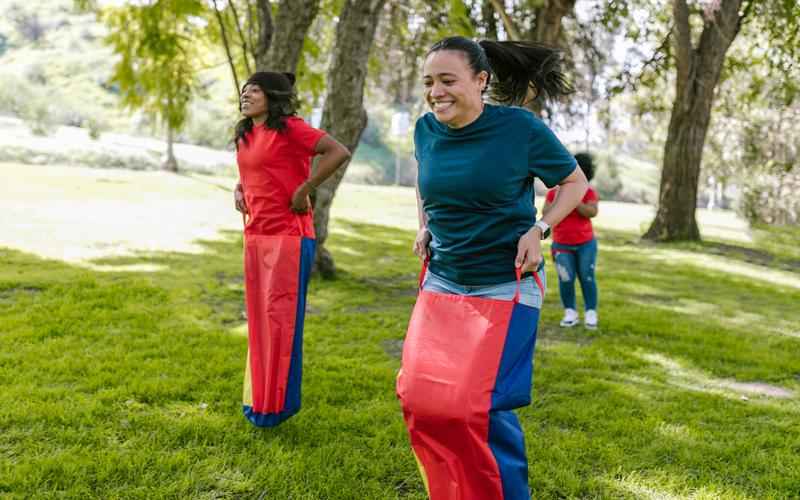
[476, 187]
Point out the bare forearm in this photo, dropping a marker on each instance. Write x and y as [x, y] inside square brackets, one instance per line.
[570, 194]
[329, 163]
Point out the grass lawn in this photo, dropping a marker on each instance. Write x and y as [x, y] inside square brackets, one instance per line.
[122, 384]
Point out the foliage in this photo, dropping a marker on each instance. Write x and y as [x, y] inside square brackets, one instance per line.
[607, 180]
[752, 144]
[159, 56]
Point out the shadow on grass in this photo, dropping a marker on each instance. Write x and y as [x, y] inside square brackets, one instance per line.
[128, 383]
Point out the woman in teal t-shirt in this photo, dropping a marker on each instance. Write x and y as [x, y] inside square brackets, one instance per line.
[477, 162]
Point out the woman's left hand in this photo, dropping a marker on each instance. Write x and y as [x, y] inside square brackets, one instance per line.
[529, 251]
[301, 203]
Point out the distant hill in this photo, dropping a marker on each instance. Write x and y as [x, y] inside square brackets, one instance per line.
[55, 70]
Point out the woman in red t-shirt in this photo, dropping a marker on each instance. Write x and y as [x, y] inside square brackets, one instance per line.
[574, 251]
[274, 148]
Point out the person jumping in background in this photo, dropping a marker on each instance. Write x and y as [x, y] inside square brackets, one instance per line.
[574, 251]
[274, 148]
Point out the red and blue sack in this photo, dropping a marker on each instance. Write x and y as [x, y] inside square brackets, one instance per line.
[277, 271]
[467, 363]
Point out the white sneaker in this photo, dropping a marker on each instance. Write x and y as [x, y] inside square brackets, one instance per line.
[590, 319]
[570, 318]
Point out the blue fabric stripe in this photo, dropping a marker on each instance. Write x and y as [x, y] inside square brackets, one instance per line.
[292, 406]
[512, 390]
[507, 443]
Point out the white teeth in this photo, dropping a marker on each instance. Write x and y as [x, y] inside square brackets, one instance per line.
[440, 106]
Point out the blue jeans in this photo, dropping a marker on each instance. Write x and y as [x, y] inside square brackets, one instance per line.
[576, 261]
[529, 293]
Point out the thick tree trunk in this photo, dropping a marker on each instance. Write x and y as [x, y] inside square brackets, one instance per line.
[265, 30]
[698, 72]
[343, 115]
[675, 218]
[292, 22]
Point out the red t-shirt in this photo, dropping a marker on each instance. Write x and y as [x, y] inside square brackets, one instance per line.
[574, 229]
[272, 165]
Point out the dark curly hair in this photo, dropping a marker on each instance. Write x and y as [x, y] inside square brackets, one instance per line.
[281, 102]
[586, 162]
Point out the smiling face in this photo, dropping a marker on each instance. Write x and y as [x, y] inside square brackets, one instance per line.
[253, 102]
[452, 88]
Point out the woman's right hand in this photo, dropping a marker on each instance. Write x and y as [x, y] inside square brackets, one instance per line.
[421, 243]
[238, 198]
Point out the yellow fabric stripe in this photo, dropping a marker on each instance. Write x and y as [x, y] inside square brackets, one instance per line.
[422, 473]
[247, 394]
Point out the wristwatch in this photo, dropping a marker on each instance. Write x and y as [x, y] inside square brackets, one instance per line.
[544, 227]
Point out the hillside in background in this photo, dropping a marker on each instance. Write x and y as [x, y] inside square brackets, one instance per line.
[55, 70]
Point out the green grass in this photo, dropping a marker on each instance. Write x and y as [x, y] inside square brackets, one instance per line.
[128, 385]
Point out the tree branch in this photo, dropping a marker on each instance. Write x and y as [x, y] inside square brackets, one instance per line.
[683, 39]
[245, 49]
[252, 20]
[742, 18]
[231, 63]
[508, 23]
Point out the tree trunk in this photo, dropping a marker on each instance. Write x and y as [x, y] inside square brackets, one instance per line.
[292, 22]
[265, 30]
[698, 72]
[343, 115]
[170, 163]
[548, 21]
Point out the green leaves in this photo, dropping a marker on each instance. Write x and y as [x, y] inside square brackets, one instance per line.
[157, 69]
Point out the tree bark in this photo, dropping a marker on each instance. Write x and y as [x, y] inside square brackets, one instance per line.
[698, 71]
[265, 30]
[170, 163]
[548, 21]
[292, 22]
[344, 116]
[508, 23]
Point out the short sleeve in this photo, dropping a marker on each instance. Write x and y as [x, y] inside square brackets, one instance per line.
[303, 134]
[551, 195]
[548, 159]
[590, 196]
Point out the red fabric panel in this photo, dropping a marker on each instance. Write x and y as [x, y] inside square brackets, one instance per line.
[574, 229]
[272, 270]
[451, 357]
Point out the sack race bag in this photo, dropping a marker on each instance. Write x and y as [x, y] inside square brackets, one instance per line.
[277, 271]
[467, 362]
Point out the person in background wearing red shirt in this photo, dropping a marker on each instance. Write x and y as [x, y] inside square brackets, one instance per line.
[274, 148]
[574, 251]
